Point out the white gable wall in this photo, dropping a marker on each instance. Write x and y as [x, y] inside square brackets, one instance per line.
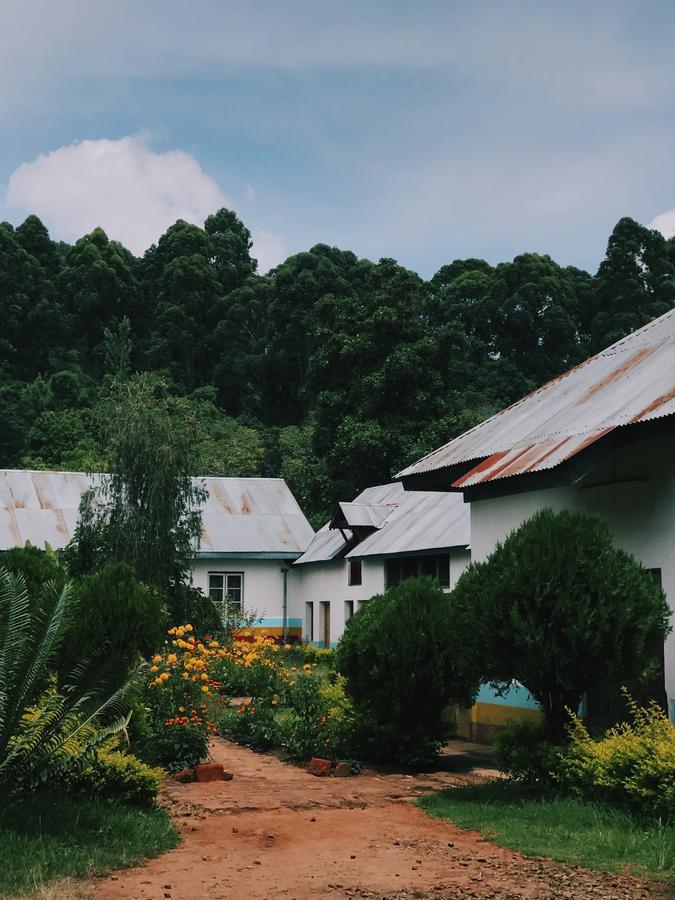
[263, 586]
[640, 513]
[328, 582]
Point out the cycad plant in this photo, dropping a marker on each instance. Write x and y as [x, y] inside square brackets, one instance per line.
[42, 719]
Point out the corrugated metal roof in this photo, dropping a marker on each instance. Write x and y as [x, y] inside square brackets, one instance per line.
[240, 515]
[417, 521]
[632, 381]
[361, 515]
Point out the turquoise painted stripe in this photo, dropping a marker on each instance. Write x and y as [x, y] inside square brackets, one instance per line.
[277, 623]
[319, 644]
[517, 696]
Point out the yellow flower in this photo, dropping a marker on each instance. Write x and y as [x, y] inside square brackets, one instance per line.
[171, 659]
[185, 676]
[204, 676]
[307, 667]
[287, 646]
[164, 676]
[154, 668]
[157, 659]
[187, 627]
[205, 688]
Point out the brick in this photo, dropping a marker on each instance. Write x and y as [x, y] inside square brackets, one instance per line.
[209, 772]
[342, 770]
[318, 766]
[184, 775]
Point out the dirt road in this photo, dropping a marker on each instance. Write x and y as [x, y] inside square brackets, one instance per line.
[277, 832]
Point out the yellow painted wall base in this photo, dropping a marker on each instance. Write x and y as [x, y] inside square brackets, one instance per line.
[482, 721]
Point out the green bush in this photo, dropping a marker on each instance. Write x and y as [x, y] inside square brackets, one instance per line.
[118, 618]
[403, 666]
[318, 720]
[180, 744]
[252, 724]
[632, 765]
[522, 752]
[112, 775]
[189, 604]
[38, 568]
[558, 607]
[42, 722]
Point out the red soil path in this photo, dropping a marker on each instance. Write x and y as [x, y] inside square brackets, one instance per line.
[277, 832]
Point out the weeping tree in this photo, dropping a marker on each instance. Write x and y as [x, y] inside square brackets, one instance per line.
[557, 607]
[42, 722]
[147, 511]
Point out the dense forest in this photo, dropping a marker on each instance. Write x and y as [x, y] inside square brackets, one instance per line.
[330, 371]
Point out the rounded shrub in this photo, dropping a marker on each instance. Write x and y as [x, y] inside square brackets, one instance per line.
[403, 666]
[117, 619]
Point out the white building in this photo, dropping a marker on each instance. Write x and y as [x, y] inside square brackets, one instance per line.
[599, 438]
[385, 535]
[253, 529]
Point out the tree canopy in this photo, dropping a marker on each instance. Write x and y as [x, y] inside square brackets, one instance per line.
[331, 370]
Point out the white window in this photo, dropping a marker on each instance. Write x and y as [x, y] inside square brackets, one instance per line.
[227, 586]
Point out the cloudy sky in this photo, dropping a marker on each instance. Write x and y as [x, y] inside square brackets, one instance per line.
[425, 131]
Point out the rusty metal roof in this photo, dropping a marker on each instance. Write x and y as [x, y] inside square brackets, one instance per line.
[240, 515]
[631, 381]
[416, 521]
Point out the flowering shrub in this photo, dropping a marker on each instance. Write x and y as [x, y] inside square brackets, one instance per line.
[252, 724]
[632, 765]
[319, 719]
[180, 695]
[251, 666]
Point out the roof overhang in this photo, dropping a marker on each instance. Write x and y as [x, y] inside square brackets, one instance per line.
[568, 472]
[250, 554]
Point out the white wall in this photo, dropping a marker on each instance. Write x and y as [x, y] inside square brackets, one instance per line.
[328, 581]
[640, 512]
[263, 584]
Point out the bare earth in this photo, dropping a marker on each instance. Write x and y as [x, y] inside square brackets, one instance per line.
[277, 832]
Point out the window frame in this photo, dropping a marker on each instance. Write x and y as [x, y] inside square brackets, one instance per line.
[225, 589]
[352, 564]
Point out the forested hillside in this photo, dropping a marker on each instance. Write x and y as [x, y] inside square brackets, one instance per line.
[331, 371]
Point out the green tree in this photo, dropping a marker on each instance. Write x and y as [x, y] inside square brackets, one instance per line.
[99, 288]
[147, 511]
[557, 607]
[635, 283]
[404, 665]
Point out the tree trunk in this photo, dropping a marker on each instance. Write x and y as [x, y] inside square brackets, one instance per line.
[556, 716]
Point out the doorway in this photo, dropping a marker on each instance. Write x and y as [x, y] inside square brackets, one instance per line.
[324, 623]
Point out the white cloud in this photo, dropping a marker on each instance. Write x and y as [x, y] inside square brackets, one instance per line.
[665, 223]
[131, 191]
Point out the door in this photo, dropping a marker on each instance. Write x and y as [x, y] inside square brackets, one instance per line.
[309, 622]
[325, 624]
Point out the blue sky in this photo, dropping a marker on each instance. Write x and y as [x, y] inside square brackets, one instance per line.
[425, 131]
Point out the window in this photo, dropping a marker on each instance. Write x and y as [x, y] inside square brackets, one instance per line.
[436, 565]
[349, 610]
[227, 586]
[355, 571]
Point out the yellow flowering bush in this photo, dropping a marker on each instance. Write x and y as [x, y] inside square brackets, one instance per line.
[252, 666]
[181, 695]
[632, 765]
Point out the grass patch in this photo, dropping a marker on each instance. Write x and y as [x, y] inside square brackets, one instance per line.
[47, 838]
[562, 828]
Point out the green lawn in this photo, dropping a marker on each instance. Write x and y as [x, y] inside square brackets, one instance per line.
[564, 829]
[46, 838]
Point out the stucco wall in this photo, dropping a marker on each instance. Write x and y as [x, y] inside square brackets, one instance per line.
[640, 512]
[328, 582]
[263, 585]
